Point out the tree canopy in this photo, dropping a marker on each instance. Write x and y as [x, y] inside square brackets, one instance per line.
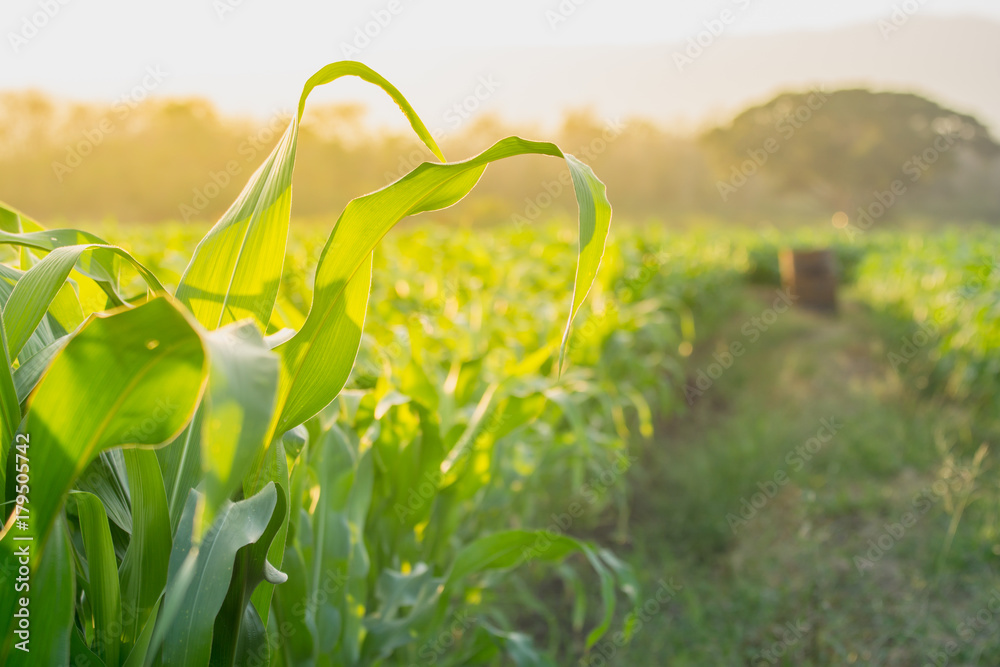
[844, 147]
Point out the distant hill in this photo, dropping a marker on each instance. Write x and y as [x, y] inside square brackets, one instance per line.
[955, 61]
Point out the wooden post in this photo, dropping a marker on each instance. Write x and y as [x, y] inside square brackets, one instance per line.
[810, 276]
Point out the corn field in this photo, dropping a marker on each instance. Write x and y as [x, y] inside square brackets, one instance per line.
[188, 483]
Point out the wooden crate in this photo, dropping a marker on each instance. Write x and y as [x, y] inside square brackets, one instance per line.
[810, 276]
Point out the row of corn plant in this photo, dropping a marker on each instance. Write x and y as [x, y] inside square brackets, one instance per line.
[941, 291]
[461, 309]
[185, 482]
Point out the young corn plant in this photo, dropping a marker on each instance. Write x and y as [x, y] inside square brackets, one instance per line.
[184, 482]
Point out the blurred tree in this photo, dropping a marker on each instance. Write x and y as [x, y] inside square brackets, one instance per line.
[854, 150]
[160, 159]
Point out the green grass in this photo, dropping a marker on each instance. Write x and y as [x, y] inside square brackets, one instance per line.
[795, 560]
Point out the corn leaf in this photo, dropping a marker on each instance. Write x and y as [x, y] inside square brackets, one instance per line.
[107, 478]
[316, 362]
[180, 463]
[143, 571]
[10, 412]
[64, 314]
[139, 652]
[239, 629]
[235, 270]
[275, 472]
[38, 288]
[242, 386]
[187, 634]
[53, 589]
[99, 393]
[101, 265]
[30, 372]
[15, 222]
[102, 588]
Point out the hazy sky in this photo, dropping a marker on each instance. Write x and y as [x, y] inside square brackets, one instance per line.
[253, 55]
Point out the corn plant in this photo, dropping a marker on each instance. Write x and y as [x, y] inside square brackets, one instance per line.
[185, 483]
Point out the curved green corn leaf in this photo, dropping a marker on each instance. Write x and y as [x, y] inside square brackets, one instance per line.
[37, 288]
[15, 222]
[519, 647]
[512, 548]
[406, 604]
[337, 587]
[187, 635]
[275, 472]
[10, 413]
[30, 372]
[99, 393]
[230, 428]
[102, 590]
[143, 571]
[252, 648]
[66, 309]
[106, 477]
[334, 71]
[238, 626]
[422, 596]
[242, 388]
[102, 390]
[292, 611]
[180, 463]
[235, 270]
[138, 655]
[101, 266]
[53, 589]
[316, 362]
[64, 315]
[509, 549]
[304, 391]
[80, 653]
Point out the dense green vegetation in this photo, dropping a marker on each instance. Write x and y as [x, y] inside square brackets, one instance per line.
[453, 324]
[267, 443]
[165, 456]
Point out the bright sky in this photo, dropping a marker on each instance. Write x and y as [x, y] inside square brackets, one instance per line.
[253, 55]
